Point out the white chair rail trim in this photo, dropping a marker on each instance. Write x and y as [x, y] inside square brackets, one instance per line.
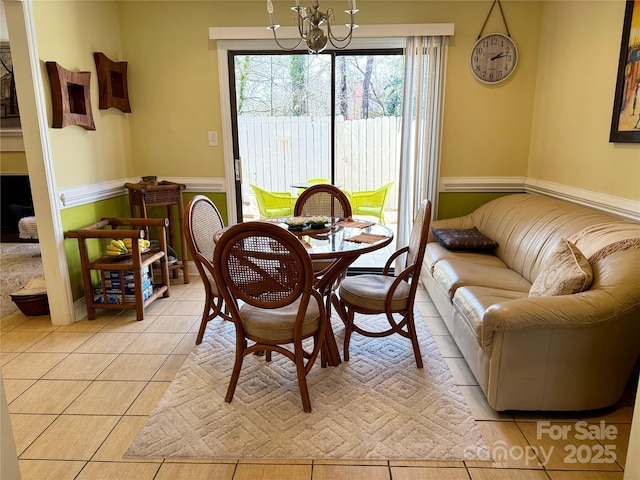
[619, 207]
[11, 140]
[84, 194]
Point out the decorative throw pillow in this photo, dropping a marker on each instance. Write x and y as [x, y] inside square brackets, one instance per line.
[566, 271]
[613, 248]
[463, 239]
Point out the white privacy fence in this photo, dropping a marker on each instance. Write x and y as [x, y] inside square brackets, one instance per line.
[278, 152]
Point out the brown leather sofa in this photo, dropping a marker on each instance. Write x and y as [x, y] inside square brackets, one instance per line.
[560, 352]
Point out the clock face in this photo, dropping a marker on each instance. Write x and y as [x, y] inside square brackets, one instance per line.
[493, 58]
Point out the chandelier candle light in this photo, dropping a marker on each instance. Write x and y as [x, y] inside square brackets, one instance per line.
[309, 21]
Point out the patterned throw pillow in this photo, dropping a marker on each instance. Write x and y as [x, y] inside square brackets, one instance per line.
[565, 272]
[463, 239]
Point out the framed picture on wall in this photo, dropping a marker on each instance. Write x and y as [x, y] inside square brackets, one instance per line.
[625, 124]
[9, 112]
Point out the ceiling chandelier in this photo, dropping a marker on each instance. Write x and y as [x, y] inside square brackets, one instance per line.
[310, 20]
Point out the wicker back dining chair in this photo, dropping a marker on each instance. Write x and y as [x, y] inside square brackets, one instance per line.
[201, 222]
[313, 181]
[264, 274]
[323, 200]
[393, 296]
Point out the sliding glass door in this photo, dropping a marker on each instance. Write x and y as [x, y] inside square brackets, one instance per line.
[299, 117]
[282, 121]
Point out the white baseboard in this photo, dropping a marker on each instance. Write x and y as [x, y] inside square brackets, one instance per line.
[80, 308]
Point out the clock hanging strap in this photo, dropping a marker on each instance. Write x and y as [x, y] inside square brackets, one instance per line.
[489, 14]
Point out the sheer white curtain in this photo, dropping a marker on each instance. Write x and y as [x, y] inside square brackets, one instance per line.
[425, 59]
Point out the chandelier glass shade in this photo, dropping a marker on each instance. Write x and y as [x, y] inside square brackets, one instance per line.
[310, 20]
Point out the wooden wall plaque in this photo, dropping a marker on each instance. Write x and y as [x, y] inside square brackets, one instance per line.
[70, 97]
[112, 83]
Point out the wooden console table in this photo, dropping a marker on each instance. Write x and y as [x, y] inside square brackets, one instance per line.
[156, 194]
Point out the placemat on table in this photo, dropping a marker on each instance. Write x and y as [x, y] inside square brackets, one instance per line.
[354, 223]
[366, 238]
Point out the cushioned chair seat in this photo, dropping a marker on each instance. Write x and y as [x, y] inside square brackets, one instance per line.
[266, 278]
[369, 211]
[274, 204]
[388, 295]
[370, 202]
[278, 212]
[277, 324]
[370, 291]
[319, 265]
[214, 287]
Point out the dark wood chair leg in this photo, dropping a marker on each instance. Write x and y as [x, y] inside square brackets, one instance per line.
[302, 383]
[411, 328]
[348, 330]
[235, 375]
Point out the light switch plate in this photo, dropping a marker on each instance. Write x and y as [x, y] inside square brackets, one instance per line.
[213, 139]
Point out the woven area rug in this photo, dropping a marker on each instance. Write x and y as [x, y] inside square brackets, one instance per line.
[376, 406]
[19, 263]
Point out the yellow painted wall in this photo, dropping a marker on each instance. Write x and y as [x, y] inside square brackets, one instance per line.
[488, 130]
[173, 81]
[487, 127]
[13, 162]
[68, 33]
[578, 61]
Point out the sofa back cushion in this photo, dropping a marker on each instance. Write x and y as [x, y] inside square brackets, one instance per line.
[528, 227]
[598, 241]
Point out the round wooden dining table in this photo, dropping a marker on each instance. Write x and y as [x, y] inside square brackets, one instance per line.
[333, 248]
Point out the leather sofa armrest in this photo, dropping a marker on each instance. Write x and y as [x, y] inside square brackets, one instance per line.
[564, 311]
[615, 293]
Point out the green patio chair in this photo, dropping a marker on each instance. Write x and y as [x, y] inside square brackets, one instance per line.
[370, 202]
[314, 181]
[274, 204]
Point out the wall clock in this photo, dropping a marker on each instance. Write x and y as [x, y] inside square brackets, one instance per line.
[493, 58]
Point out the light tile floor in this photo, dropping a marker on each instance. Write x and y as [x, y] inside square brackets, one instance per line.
[78, 395]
